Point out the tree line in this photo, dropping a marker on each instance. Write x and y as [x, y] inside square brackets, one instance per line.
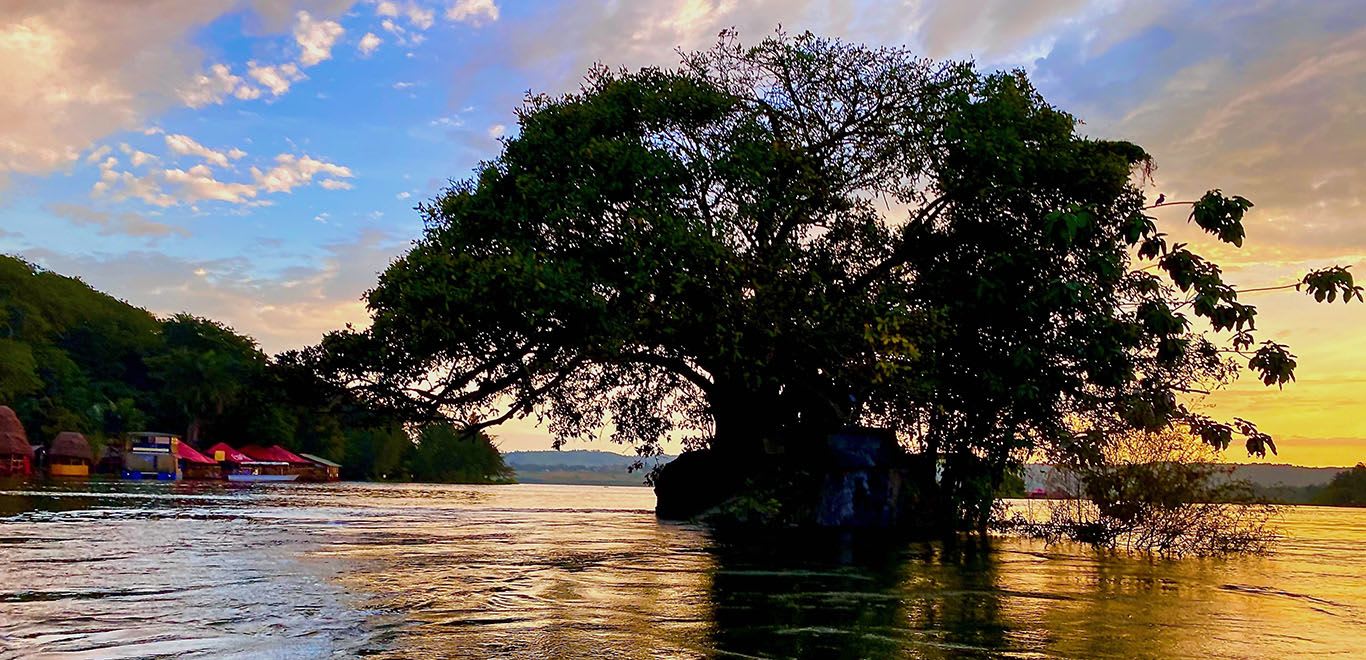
[75, 359]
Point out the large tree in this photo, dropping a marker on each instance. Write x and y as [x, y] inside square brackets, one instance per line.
[767, 243]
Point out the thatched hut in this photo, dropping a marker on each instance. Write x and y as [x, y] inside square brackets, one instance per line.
[16, 456]
[70, 455]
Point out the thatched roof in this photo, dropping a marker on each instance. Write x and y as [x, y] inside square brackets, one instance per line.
[13, 440]
[69, 444]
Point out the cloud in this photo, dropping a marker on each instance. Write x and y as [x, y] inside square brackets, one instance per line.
[79, 71]
[292, 171]
[1263, 102]
[275, 78]
[137, 157]
[990, 28]
[115, 224]
[220, 82]
[411, 36]
[175, 186]
[496, 131]
[368, 44]
[211, 87]
[67, 90]
[198, 184]
[403, 195]
[315, 38]
[184, 145]
[475, 12]
[98, 154]
[126, 185]
[419, 17]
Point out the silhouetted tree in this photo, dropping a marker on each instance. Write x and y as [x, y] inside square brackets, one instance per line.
[770, 242]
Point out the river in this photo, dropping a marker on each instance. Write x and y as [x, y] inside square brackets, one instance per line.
[122, 570]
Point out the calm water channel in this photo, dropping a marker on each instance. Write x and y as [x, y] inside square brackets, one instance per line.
[102, 570]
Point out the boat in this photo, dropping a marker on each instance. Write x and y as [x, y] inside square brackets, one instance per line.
[251, 473]
[253, 464]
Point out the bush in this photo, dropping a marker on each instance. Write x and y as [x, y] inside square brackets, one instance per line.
[1153, 493]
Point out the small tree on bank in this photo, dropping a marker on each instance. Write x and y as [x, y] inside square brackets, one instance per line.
[768, 243]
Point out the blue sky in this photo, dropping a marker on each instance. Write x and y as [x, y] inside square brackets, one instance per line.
[257, 161]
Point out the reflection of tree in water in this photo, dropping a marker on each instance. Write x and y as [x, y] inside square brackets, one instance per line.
[852, 597]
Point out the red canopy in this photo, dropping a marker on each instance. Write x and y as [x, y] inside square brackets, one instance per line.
[188, 453]
[230, 455]
[291, 456]
[274, 453]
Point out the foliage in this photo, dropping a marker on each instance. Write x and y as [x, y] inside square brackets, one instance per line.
[1348, 488]
[1154, 493]
[767, 243]
[203, 368]
[377, 453]
[66, 349]
[18, 371]
[454, 455]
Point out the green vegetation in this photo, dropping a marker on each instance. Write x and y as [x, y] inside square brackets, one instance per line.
[75, 359]
[768, 243]
[450, 455]
[1348, 488]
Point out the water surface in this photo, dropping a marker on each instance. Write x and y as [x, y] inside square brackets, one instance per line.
[101, 570]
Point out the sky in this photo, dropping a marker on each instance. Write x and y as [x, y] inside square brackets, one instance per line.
[257, 161]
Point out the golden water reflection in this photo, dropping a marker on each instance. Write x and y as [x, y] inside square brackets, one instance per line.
[568, 572]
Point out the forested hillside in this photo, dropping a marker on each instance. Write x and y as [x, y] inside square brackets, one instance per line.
[75, 359]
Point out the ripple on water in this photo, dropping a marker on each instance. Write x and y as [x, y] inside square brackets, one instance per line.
[109, 569]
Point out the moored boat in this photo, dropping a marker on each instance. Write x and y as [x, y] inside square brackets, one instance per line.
[250, 473]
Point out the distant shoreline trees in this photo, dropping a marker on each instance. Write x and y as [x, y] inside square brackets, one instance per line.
[1348, 488]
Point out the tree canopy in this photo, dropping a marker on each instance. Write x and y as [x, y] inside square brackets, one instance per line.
[766, 243]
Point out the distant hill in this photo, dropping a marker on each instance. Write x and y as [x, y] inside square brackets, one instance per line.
[1261, 475]
[580, 466]
[576, 458]
[1267, 474]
